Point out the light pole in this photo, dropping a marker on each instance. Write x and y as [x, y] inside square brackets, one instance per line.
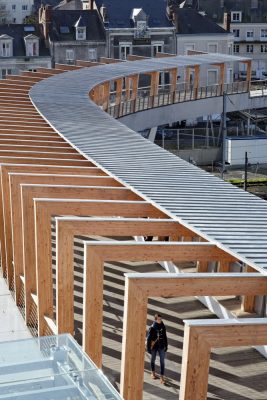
[224, 133]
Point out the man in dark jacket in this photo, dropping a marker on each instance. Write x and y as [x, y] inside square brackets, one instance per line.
[157, 342]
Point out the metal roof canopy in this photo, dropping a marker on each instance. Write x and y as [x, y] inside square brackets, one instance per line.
[188, 194]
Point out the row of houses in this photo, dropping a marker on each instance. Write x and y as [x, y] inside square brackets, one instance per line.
[88, 29]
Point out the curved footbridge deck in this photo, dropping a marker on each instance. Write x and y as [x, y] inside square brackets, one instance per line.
[77, 186]
[233, 219]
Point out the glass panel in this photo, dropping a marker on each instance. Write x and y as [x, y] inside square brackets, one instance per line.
[52, 367]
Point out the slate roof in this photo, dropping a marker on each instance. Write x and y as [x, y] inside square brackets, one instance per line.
[119, 12]
[189, 21]
[17, 32]
[214, 11]
[68, 18]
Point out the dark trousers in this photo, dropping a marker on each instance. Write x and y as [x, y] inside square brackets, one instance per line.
[161, 358]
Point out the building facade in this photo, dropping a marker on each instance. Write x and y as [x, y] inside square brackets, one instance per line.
[73, 34]
[22, 47]
[15, 11]
[247, 20]
[137, 27]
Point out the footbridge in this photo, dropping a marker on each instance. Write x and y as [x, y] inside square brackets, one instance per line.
[68, 156]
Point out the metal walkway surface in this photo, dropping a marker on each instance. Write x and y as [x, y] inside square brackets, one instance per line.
[12, 326]
[233, 219]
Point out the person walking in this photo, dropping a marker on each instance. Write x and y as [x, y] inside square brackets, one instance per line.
[157, 342]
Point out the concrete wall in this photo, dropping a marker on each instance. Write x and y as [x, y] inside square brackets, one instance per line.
[200, 156]
[14, 65]
[80, 48]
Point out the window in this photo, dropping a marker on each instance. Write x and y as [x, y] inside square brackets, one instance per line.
[157, 48]
[236, 48]
[3, 20]
[125, 50]
[14, 20]
[250, 48]
[5, 49]
[13, 7]
[70, 55]
[6, 72]
[188, 47]
[254, 4]
[212, 48]
[264, 34]
[92, 54]
[2, 7]
[250, 35]
[236, 16]
[264, 48]
[24, 7]
[81, 33]
[236, 33]
[32, 49]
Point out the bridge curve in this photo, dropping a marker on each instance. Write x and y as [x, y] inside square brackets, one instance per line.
[233, 219]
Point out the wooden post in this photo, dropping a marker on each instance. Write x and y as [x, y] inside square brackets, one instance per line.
[133, 351]
[248, 302]
[196, 80]
[154, 85]
[195, 366]
[173, 79]
[119, 84]
[135, 82]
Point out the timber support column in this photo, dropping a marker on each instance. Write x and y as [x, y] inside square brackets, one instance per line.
[248, 303]
[133, 352]
[196, 80]
[106, 93]
[249, 72]
[93, 305]
[195, 366]
[119, 88]
[135, 84]
[173, 81]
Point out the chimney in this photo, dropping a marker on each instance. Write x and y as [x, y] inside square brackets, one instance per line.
[104, 13]
[227, 21]
[45, 18]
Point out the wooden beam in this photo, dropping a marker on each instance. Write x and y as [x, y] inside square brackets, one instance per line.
[5, 169]
[12, 206]
[201, 336]
[69, 207]
[68, 227]
[172, 285]
[131, 251]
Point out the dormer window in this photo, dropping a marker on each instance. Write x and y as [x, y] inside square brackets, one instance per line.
[31, 45]
[236, 16]
[80, 27]
[139, 19]
[6, 46]
[81, 33]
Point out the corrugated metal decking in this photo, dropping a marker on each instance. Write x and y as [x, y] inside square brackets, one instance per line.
[232, 218]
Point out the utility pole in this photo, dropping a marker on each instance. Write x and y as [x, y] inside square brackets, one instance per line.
[224, 133]
[246, 172]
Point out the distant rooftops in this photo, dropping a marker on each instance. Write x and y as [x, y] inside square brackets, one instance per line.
[190, 21]
[120, 13]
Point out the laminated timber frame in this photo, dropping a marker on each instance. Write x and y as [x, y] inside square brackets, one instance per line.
[197, 345]
[43, 176]
[98, 253]
[68, 227]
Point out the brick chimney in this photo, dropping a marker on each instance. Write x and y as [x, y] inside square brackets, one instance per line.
[45, 18]
[227, 21]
